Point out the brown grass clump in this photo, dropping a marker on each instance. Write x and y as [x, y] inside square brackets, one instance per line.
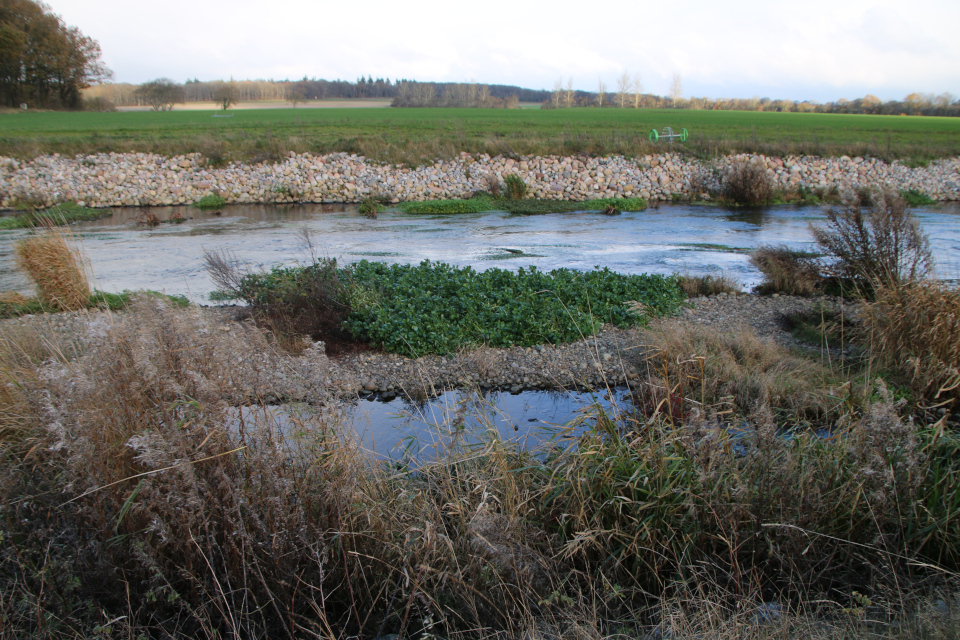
[747, 183]
[56, 268]
[707, 285]
[700, 370]
[13, 298]
[915, 330]
[785, 270]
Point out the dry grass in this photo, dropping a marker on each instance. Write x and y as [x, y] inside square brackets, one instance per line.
[915, 330]
[56, 268]
[707, 285]
[785, 270]
[166, 494]
[701, 370]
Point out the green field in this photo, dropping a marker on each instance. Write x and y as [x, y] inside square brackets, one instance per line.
[415, 136]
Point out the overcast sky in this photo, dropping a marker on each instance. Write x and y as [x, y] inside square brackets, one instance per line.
[818, 49]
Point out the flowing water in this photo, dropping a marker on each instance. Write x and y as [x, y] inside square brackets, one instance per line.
[674, 238]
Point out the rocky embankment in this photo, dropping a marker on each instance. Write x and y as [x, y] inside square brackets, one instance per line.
[139, 179]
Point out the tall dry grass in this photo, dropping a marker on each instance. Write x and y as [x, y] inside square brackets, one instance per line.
[914, 329]
[167, 499]
[786, 270]
[56, 268]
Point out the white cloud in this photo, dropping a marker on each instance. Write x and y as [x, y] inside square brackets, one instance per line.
[822, 49]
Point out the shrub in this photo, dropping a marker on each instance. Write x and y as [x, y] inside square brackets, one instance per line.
[370, 207]
[210, 201]
[880, 244]
[56, 268]
[516, 187]
[915, 331]
[747, 183]
[787, 271]
[289, 301]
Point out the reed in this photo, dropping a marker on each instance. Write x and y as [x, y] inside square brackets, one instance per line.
[56, 268]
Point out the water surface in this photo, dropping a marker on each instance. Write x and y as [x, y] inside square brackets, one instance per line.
[684, 238]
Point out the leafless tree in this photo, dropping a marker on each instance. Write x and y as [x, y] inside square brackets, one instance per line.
[568, 96]
[557, 93]
[637, 90]
[296, 94]
[225, 95]
[483, 95]
[676, 87]
[601, 92]
[623, 87]
[161, 94]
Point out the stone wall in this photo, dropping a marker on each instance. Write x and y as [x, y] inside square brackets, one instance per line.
[143, 179]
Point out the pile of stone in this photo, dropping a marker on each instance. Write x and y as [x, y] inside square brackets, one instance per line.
[140, 179]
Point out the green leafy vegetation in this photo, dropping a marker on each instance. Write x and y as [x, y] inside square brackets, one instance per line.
[416, 136]
[61, 214]
[437, 308]
[210, 201]
[483, 203]
[914, 198]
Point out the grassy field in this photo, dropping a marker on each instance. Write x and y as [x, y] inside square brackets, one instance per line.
[415, 136]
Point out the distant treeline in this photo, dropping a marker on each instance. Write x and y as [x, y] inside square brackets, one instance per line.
[403, 92]
[915, 104]
[164, 93]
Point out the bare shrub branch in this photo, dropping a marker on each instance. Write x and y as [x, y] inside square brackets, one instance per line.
[877, 242]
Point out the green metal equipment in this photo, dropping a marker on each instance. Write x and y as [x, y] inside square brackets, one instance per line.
[668, 134]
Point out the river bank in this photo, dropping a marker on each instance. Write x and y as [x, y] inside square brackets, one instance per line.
[140, 179]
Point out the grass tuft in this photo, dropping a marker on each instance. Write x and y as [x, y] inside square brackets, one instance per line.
[915, 331]
[56, 268]
[787, 271]
[210, 201]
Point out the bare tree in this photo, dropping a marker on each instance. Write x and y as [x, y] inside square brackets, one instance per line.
[225, 95]
[296, 93]
[601, 92]
[161, 94]
[568, 97]
[557, 93]
[637, 90]
[483, 95]
[623, 87]
[676, 87]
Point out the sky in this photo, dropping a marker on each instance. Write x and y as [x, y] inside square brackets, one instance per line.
[819, 50]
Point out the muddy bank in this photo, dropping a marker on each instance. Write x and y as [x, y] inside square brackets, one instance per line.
[139, 179]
